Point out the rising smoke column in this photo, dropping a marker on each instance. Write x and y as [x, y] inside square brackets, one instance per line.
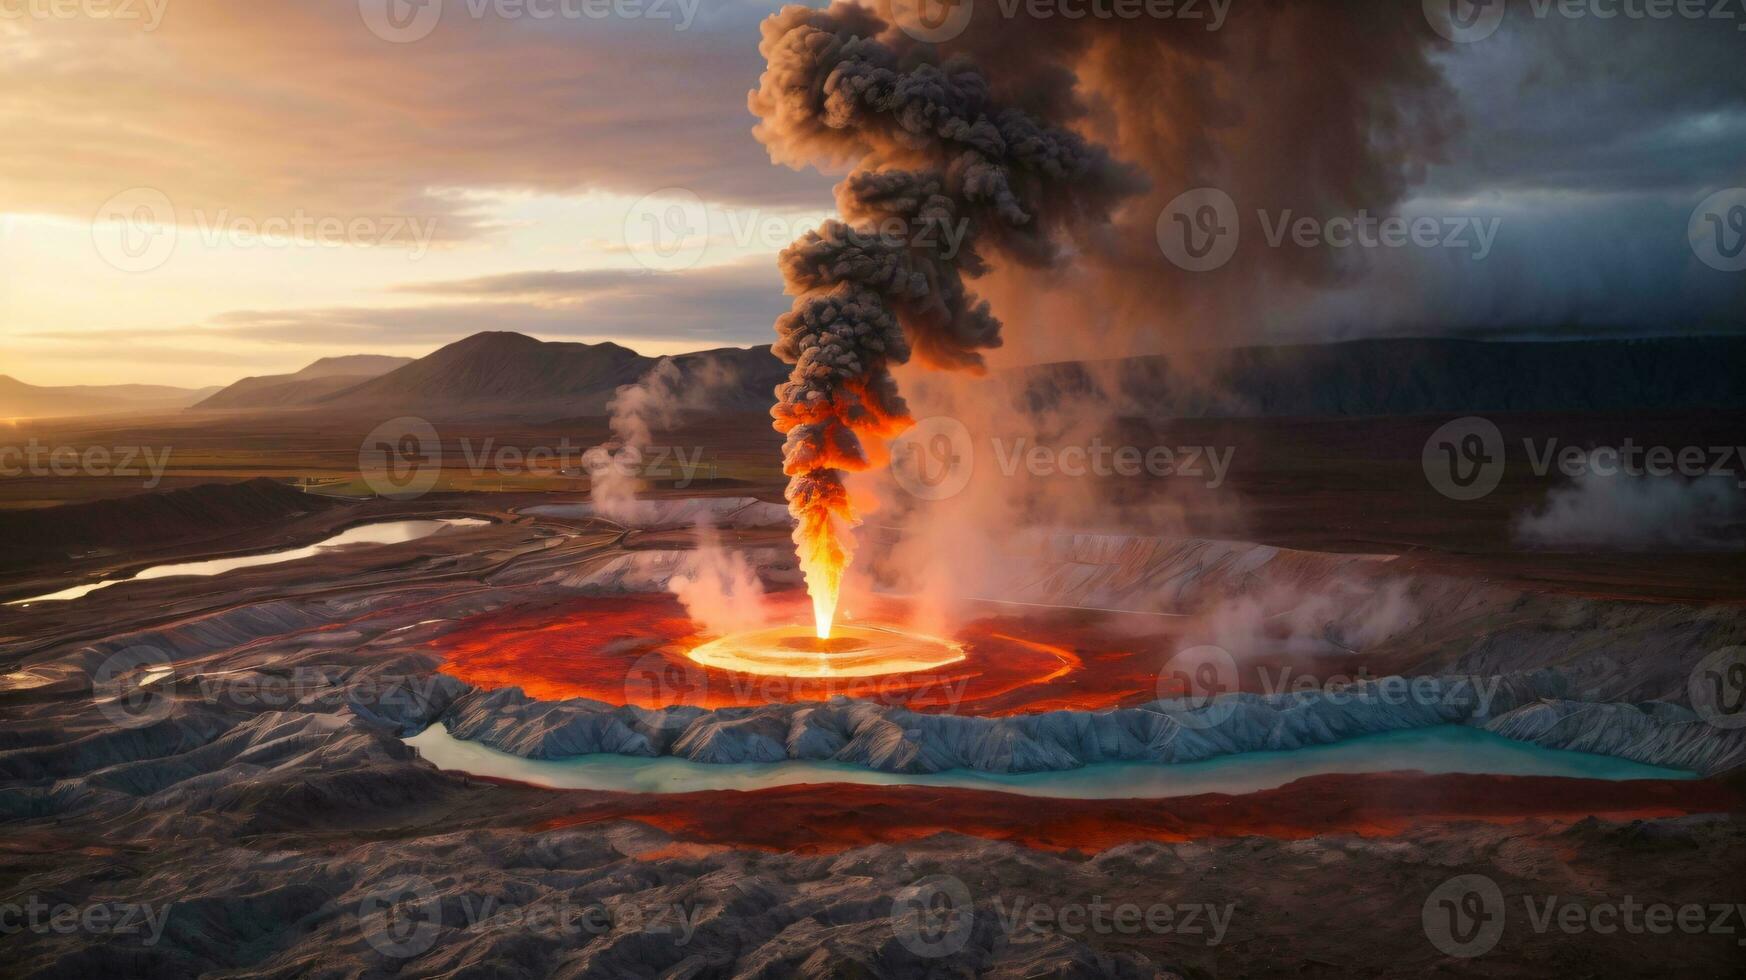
[656, 401]
[943, 169]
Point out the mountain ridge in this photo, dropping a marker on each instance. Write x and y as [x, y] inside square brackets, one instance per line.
[499, 373]
[318, 379]
[20, 399]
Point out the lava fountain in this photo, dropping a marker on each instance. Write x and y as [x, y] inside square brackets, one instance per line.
[943, 169]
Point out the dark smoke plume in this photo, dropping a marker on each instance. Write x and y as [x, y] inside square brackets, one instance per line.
[945, 169]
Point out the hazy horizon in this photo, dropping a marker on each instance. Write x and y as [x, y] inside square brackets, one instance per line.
[256, 189]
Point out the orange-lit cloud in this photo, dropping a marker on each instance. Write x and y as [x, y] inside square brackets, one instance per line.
[270, 109]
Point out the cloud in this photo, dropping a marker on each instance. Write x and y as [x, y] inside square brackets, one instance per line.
[727, 305]
[265, 109]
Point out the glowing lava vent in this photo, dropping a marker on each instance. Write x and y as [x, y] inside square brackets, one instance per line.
[852, 651]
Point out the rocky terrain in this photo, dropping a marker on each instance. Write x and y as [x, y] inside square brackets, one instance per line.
[1532, 707]
[218, 766]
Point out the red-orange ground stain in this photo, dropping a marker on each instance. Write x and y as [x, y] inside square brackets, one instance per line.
[827, 819]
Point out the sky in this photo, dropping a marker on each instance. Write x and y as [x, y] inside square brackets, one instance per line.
[198, 190]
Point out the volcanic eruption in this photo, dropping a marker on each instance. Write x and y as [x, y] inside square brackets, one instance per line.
[943, 170]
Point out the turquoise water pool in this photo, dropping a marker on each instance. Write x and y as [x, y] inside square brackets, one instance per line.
[1440, 749]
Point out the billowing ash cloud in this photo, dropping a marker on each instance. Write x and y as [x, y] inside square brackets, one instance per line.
[945, 169]
[1314, 108]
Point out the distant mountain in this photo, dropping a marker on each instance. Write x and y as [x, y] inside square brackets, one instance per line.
[508, 374]
[318, 380]
[1413, 377]
[352, 365]
[20, 400]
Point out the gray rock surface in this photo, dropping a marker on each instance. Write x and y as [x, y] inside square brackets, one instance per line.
[1529, 707]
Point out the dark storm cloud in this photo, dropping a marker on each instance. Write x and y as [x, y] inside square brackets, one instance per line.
[1598, 106]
